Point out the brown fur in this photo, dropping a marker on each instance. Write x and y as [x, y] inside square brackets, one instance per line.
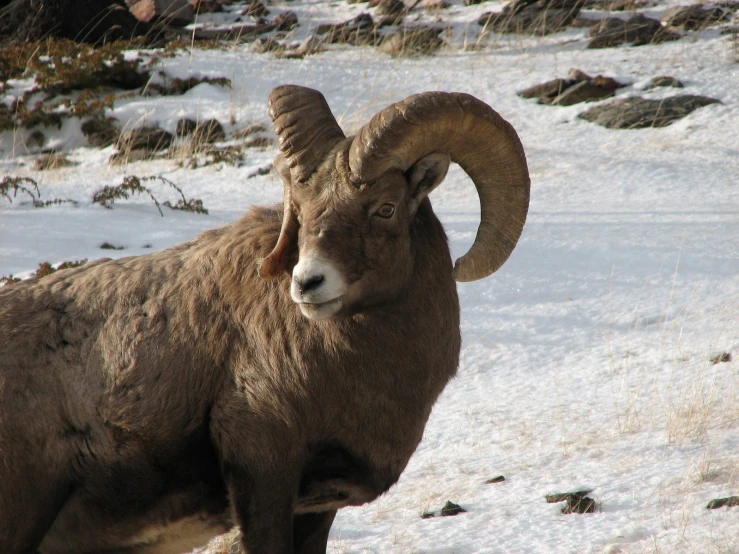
[149, 402]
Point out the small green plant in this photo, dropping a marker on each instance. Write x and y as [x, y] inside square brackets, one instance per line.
[132, 184]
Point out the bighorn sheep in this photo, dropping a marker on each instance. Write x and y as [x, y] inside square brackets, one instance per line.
[264, 374]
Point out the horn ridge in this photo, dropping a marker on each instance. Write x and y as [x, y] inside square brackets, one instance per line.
[301, 116]
[477, 138]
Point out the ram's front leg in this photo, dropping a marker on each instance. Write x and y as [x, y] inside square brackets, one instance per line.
[310, 532]
[264, 505]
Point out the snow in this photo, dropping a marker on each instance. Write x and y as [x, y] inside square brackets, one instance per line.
[586, 358]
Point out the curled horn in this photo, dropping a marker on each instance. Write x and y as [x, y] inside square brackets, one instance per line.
[305, 126]
[474, 136]
[307, 131]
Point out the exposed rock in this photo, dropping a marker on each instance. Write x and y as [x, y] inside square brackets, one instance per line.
[578, 87]
[723, 357]
[435, 5]
[663, 81]
[390, 7]
[583, 91]
[452, 509]
[579, 505]
[101, 132]
[549, 90]
[174, 12]
[53, 160]
[185, 127]
[472, 2]
[207, 6]
[258, 142]
[412, 42]
[91, 21]
[358, 31]
[243, 32]
[285, 21]
[148, 138]
[695, 17]
[266, 44]
[618, 5]
[249, 130]
[638, 30]
[563, 496]
[209, 130]
[729, 502]
[311, 45]
[498, 479]
[256, 8]
[637, 112]
[576, 502]
[535, 17]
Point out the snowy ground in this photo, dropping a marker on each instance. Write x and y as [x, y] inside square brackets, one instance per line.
[585, 362]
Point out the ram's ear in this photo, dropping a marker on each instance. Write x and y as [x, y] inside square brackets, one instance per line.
[278, 260]
[425, 175]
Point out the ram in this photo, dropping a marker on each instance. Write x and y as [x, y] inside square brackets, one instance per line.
[265, 374]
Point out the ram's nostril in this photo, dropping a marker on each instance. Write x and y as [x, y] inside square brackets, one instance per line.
[311, 283]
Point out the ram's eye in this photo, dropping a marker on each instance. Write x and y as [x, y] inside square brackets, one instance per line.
[385, 211]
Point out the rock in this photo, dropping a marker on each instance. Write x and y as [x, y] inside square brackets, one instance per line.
[390, 7]
[729, 502]
[576, 502]
[243, 32]
[148, 138]
[427, 515]
[209, 131]
[563, 496]
[258, 142]
[91, 21]
[473, 2]
[540, 17]
[53, 160]
[311, 45]
[412, 42]
[578, 87]
[251, 129]
[618, 5]
[583, 91]
[638, 30]
[435, 5]
[498, 479]
[579, 505]
[358, 31]
[637, 112]
[695, 17]
[723, 357]
[256, 8]
[174, 12]
[266, 44]
[185, 127]
[663, 81]
[207, 6]
[548, 90]
[101, 132]
[285, 21]
[452, 509]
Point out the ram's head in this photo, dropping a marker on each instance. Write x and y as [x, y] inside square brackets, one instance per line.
[350, 203]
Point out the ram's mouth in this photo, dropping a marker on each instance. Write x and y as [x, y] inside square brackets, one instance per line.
[321, 310]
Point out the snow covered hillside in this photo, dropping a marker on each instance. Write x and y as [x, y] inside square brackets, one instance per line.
[601, 357]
